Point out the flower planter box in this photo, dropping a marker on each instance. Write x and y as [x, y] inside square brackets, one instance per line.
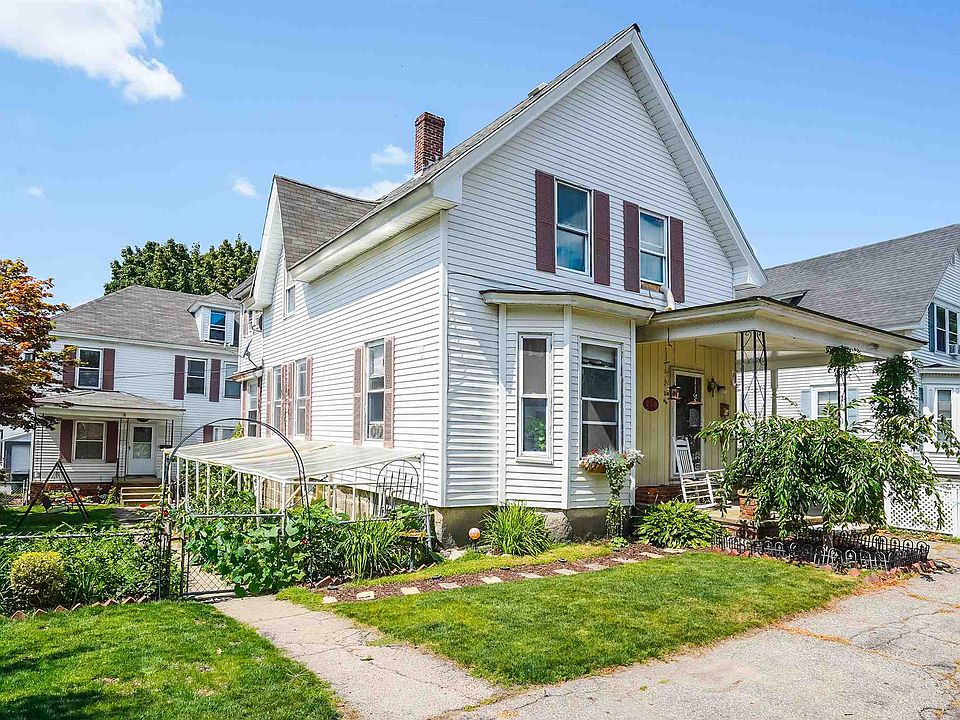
[594, 468]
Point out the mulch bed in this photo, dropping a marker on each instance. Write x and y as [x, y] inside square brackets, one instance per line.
[632, 553]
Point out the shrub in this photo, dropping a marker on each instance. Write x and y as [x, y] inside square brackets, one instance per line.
[371, 547]
[676, 524]
[40, 578]
[515, 529]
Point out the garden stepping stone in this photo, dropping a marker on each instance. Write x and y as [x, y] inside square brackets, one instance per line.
[624, 560]
[651, 555]
[329, 600]
[368, 595]
[673, 551]
[491, 579]
[595, 566]
[530, 576]
[409, 591]
[565, 571]
[449, 586]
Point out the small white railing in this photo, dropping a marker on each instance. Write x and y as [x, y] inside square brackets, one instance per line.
[900, 516]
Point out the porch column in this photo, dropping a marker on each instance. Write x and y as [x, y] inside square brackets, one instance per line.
[774, 384]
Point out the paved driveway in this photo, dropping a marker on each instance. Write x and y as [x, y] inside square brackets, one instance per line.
[892, 654]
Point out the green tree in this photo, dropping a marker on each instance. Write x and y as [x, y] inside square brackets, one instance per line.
[174, 266]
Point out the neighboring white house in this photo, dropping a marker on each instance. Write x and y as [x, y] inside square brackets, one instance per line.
[562, 280]
[151, 367]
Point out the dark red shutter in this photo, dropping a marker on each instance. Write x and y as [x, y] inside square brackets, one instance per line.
[70, 367]
[266, 410]
[208, 433]
[676, 259]
[358, 395]
[546, 233]
[113, 441]
[388, 381]
[631, 247]
[109, 364]
[601, 238]
[308, 434]
[215, 380]
[179, 376]
[66, 440]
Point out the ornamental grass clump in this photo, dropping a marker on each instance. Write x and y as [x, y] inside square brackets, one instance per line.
[371, 548]
[515, 529]
[677, 524]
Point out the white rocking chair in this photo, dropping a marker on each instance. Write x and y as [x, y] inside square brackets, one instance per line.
[696, 485]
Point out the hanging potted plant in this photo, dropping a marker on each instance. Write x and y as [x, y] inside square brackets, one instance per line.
[616, 465]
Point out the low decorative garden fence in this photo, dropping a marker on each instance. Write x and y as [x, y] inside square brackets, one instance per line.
[840, 550]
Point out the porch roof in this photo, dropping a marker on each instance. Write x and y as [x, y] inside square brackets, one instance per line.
[795, 336]
[271, 457]
[105, 404]
[577, 300]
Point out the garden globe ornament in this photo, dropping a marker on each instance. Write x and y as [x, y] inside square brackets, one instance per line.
[474, 533]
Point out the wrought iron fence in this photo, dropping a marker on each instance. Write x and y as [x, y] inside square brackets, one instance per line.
[840, 550]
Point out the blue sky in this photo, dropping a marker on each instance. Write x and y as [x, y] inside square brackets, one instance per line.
[828, 125]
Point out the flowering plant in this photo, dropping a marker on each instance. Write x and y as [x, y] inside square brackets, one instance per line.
[616, 465]
[599, 460]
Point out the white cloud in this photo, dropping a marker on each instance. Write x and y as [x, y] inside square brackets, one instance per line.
[373, 191]
[391, 155]
[243, 187]
[36, 191]
[104, 38]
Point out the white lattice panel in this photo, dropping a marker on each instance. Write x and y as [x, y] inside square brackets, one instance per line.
[900, 516]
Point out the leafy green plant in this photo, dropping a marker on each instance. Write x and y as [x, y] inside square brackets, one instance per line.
[619, 543]
[535, 429]
[676, 524]
[40, 578]
[371, 547]
[515, 529]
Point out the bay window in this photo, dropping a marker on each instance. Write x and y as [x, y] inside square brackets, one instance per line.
[573, 228]
[599, 397]
[373, 389]
[534, 395]
[89, 366]
[653, 249]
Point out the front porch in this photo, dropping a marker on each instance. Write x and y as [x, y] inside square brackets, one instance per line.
[701, 364]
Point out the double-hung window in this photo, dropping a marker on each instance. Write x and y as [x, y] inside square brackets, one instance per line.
[277, 409]
[231, 388]
[945, 331]
[599, 397]
[89, 441]
[944, 410]
[573, 228]
[653, 249]
[196, 377]
[290, 300]
[300, 398]
[534, 391]
[253, 406]
[218, 326]
[89, 366]
[375, 383]
[825, 400]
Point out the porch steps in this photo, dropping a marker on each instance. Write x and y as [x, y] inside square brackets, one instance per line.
[142, 495]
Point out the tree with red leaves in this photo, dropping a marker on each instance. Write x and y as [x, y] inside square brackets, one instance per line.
[29, 367]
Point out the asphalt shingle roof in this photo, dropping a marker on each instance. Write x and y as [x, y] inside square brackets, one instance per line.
[312, 216]
[887, 285]
[108, 399]
[140, 313]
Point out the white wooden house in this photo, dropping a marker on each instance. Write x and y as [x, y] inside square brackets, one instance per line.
[151, 367]
[540, 290]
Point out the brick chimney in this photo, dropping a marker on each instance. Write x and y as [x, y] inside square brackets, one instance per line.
[428, 141]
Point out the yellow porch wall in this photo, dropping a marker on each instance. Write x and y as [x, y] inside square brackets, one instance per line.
[655, 365]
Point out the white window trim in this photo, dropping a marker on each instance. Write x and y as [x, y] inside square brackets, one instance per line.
[366, 389]
[187, 376]
[666, 248]
[76, 381]
[588, 251]
[530, 456]
[619, 386]
[815, 391]
[275, 411]
[298, 399]
[253, 404]
[225, 378]
[947, 312]
[289, 291]
[103, 443]
[211, 326]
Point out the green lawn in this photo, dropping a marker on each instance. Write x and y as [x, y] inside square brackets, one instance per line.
[101, 516]
[160, 661]
[474, 562]
[544, 631]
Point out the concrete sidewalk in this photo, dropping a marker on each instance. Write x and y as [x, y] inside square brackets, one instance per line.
[377, 682]
[892, 655]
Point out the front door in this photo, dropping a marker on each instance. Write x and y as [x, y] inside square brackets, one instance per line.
[140, 461]
[688, 413]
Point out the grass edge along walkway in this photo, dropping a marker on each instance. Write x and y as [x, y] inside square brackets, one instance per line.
[163, 661]
[545, 631]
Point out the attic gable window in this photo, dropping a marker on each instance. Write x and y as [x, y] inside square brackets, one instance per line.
[573, 228]
[653, 249]
[218, 326]
[945, 333]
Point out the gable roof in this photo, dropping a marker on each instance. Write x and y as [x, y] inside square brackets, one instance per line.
[313, 216]
[317, 241]
[141, 313]
[887, 284]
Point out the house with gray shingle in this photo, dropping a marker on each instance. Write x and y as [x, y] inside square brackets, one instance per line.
[151, 367]
[909, 285]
